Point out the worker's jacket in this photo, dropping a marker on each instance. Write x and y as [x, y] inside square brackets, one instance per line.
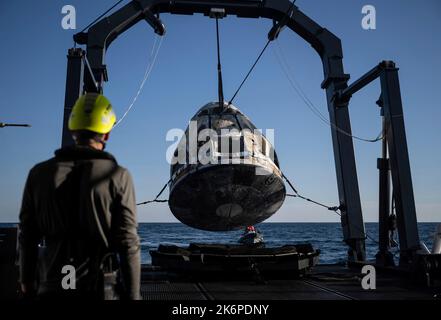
[77, 207]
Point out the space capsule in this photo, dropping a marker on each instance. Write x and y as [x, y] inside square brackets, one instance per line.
[224, 173]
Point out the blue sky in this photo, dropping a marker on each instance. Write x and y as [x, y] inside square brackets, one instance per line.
[32, 82]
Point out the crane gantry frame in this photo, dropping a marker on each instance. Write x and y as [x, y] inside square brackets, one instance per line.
[86, 71]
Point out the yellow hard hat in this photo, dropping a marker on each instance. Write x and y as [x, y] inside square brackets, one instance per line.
[92, 112]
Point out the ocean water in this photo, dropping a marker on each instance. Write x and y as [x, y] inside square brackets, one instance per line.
[327, 237]
[324, 236]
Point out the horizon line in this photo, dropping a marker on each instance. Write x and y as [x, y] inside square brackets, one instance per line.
[271, 222]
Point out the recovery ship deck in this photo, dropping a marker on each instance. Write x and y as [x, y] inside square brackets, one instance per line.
[323, 282]
[320, 282]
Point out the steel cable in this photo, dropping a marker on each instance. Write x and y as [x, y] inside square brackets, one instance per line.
[150, 65]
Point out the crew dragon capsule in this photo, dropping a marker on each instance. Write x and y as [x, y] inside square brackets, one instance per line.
[224, 173]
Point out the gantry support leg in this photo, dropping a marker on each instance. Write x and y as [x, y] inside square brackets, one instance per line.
[399, 164]
[74, 88]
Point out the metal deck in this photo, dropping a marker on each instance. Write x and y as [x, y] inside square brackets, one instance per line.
[324, 282]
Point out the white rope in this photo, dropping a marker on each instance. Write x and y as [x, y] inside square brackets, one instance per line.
[150, 65]
[296, 86]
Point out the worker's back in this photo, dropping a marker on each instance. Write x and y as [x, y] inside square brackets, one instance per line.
[78, 205]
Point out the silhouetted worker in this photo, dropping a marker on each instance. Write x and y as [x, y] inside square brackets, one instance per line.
[78, 228]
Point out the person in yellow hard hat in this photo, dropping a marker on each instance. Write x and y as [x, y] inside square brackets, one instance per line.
[91, 120]
[78, 227]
